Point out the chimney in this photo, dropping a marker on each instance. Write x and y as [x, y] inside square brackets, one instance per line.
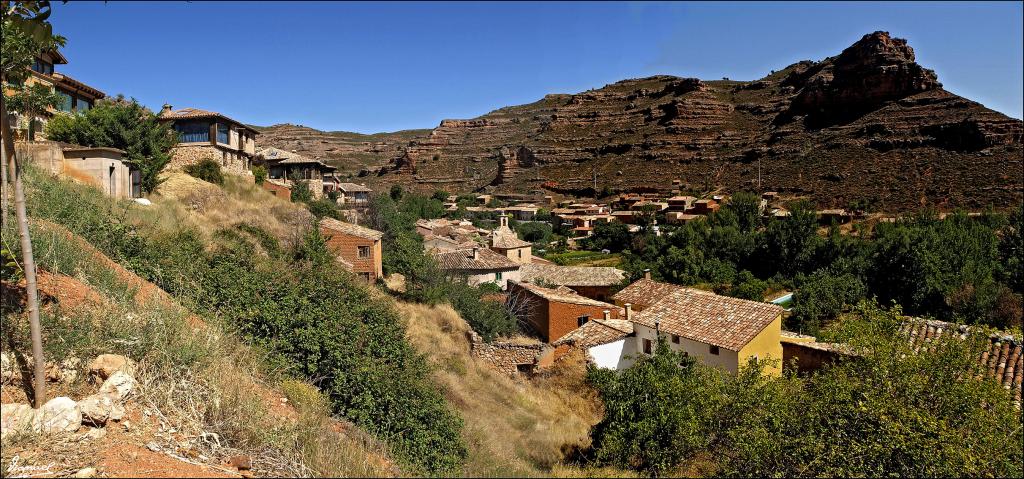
[504, 220]
[629, 311]
[607, 315]
[167, 107]
[647, 273]
[476, 253]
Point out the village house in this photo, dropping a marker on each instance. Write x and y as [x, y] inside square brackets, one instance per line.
[354, 195]
[680, 203]
[607, 342]
[678, 218]
[478, 265]
[703, 207]
[553, 313]
[595, 282]
[717, 330]
[101, 167]
[76, 97]
[506, 242]
[521, 212]
[289, 167]
[209, 135]
[644, 292]
[357, 248]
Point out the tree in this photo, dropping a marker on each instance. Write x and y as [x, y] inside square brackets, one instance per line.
[747, 207]
[656, 412]
[259, 173]
[125, 125]
[207, 170]
[26, 32]
[31, 101]
[613, 236]
[788, 245]
[821, 298]
[1011, 250]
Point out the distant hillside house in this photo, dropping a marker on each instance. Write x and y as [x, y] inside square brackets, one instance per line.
[554, 312]
[209, 135]
[594, 282]
[75, 96]
[506, 242]
[478, 266]
[357, 248]
[354, 195]
[289, 168]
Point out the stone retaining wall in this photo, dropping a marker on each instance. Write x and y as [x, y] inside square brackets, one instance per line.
[508, 358]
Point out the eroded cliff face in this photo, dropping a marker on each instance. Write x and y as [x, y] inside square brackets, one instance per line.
[867, 125]
[350, 152]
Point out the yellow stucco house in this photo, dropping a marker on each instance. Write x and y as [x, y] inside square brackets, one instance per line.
[719, 331]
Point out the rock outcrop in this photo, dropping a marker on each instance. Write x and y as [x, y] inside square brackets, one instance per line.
[868, 125]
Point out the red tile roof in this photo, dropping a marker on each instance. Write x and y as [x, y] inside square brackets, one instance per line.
[1003, 360]
[597, 332]
[572, 275]
[708, 318]
[351, 229]
[644, 293]
[566, 295]
[462, 260]
[193, 113]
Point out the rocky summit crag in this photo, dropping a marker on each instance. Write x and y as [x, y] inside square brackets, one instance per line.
[869, 125]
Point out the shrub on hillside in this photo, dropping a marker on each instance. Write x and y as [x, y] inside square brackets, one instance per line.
[259, 173]
[122, 124]
[207, 170]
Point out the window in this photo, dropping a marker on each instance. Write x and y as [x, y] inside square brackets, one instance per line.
[497, 276]
[222, 133]
[83, 105]
[580, 321]
[713, 350]
[647, 346]
[365, 277]
[43, 67]
[67, 101]
[675, 339]
[520, 254]
[364, 251]
[193, 131]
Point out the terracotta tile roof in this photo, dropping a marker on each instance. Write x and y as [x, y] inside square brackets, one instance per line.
[1002, 361]
[597, 332]
[572, 275]
[565, 295]
[645, 292]
[352, 188]
[350, 229]
[281, 157]
[709, 318]
[505, 238]
[194, 113]
[462, 260]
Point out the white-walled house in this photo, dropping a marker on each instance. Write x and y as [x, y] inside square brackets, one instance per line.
[478, 265]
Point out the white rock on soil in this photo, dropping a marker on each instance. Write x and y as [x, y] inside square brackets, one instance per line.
[120, 385]
[99, 408]
[86, 472]
[6, 367]
[16, 419]
[59, 414]
[105, 365]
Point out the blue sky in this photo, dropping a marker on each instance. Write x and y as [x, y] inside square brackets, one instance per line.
[390, 66]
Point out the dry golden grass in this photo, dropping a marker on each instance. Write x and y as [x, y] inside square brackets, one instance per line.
[208, 207]
[514, 426]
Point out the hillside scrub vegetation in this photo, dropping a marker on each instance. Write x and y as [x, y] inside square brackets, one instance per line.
[890, 411]
[425, 282]
[294, 303]
[961, 268]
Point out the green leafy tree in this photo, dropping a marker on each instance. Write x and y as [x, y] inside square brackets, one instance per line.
[32, 101]
[789, 243]
[1011, 251]
[301, 192]
[125, 125]
[748, 287]
[657, 412]
[613, 236]
[747, 208]
[822, 297]
[259, 173]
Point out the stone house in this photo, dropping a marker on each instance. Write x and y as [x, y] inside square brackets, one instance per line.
[478, 265]
[505, 241]
[209, 135]
[354, 195]
[75, 95]
[703, 207]
[357, 248]
[680, 203]
[594, 282]
[553, 313]
[290, 167]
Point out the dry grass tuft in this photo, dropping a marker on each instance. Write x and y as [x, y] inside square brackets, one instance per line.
[514, 426]
[208, 207]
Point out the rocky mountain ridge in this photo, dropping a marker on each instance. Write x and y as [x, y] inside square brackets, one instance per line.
[869, 126]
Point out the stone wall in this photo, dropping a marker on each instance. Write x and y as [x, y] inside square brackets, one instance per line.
[183, 155]
[509, 358]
